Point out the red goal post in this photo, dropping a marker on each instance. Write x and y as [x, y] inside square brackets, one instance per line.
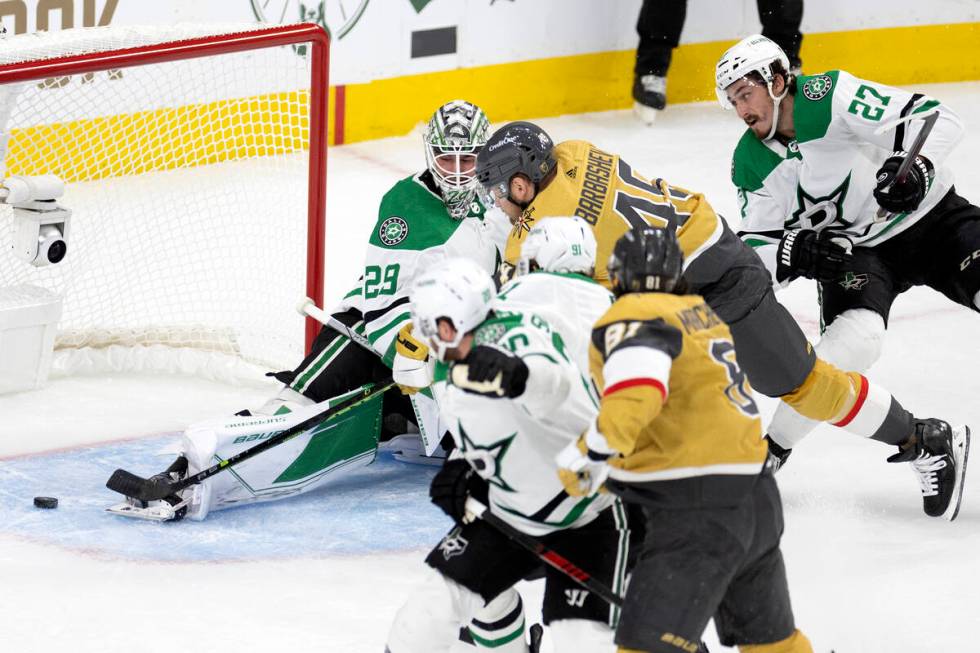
[242, 118]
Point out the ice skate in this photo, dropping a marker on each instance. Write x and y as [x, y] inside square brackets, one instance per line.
[650, 95]
[938, 455]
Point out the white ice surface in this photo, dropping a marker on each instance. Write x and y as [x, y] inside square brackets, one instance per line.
[868, 571]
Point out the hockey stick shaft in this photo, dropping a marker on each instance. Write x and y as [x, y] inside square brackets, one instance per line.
[307, 307]
[134, 486]
[903, 170]
[547, 555]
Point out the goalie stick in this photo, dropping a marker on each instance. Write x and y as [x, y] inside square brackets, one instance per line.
[308, 307]
[160, 486]
[903, 170]
[549, 556]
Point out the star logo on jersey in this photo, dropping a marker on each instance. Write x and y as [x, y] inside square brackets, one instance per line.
[393, 231]
[853, 281]
[819, 212]
[487, 460]
[816, 87]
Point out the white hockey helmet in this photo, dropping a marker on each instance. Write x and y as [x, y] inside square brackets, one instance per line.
[457, 290]
[754, 53]
[455, 134]
[559, 245]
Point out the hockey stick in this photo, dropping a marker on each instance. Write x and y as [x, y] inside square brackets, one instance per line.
[308, 307]
[903, 170]
[547, 555]
[160, 486]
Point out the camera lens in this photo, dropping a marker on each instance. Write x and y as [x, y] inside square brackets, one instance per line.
[57, 251]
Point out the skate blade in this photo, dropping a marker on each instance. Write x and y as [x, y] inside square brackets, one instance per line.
[647, 115]
[155, 513]
[961, 453]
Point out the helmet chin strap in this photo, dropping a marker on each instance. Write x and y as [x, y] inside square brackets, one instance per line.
[776, 101]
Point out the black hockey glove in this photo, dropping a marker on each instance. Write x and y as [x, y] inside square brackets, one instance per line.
[820, 255]
[777, 455]
[451, 486]
[492, 372]
[905, 196]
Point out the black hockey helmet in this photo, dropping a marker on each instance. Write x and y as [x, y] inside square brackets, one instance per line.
[518, 147]
[646, 259]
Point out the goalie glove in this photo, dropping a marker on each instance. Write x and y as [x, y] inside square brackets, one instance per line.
[492, 372]
[903, 196]
[820, 255]
[583, 465]
[410, 369]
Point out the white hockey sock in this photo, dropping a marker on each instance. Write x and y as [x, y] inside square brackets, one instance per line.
[500, 624]
[429, 621]
[868, 415]
[852, 342]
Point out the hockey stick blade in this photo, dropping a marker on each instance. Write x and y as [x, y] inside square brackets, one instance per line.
[158, 487]
[131, 485]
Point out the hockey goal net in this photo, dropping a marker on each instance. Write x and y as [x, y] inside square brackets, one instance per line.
[194, 162]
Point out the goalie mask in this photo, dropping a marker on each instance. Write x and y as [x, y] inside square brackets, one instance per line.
[457, 290]
[454, 136]
[559, 245]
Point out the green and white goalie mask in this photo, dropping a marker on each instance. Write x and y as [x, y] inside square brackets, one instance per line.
[454, 136]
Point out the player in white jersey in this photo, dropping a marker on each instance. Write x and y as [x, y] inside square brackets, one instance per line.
[425, 218]
[514, 398]
[554, 280]
[820, 197]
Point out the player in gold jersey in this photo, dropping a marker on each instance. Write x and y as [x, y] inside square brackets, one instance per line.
[679, 434]
[531, 178]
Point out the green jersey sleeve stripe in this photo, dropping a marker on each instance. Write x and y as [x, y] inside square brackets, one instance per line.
[374, 336]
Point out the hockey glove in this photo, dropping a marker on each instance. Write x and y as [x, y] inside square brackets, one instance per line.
[903, 196]
[820, 255]
[451, 486]
[410, 369]
[582, 465]
[491, 371]
[777, 455]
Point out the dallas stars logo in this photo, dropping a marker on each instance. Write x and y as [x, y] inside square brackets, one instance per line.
[853, 281]
[818, 212]
[816, 87]
[487, 460]
[393, 231]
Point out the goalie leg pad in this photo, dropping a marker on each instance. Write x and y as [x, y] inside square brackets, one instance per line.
[343, 444]
[429, 621]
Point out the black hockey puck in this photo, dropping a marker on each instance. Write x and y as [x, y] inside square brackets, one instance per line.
[45, 502]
